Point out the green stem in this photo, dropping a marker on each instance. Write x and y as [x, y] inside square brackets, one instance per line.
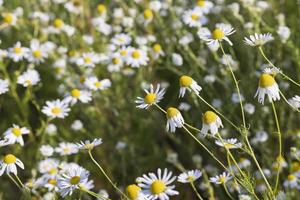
[20, 182]
[93, 194]
[15, 182]
[195, 190]
[227, 192]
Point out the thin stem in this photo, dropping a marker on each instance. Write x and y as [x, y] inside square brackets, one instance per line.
[195, 190]
[93, 194]
[288, 102]
[20, 182]
[15, 182]
[236, 85]
[160, 108]
[227, 192]
[280, 145]
[107, 177]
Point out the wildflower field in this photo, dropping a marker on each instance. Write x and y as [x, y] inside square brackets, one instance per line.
[150, 99]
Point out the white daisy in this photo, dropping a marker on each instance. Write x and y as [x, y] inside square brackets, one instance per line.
[244, 162]
[46, 150]
[187, 83]
[88, 59]
[220, 179]
[88, 145]
[78, 95]
[29, 78]
[9, 18]
[194, 18]
[14, 135]
[71, 180]
[258, 40]
[9, 164]
[267, 86]
[157, 51]
[189, 176]
[121, 39]
[204, 6]
[152, 97]
[65, 148]
[93, 83]
[219, 34]
[56, 109]
[38, 52]
[49, 166]
[75, 7]
[116, 62]
[229, 143]
[101, 9]
[272, 70]
[134, 192]
[3, 86]
[157, 186]
[17, 52]
[291, 182]
[174, 119]
[147, 16]
[136, 57]
[211, 122]
[295, 101]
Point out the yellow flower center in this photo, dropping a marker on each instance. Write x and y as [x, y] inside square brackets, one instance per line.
[295, 167]
[97, 84]
[72, 53]
[56, 110]
[53, 171]
[9, 18]
[116, 61]
[87, 59]
[89, 146]
[157, 48]
[158, 187]
[148, 14]
[101, 9]
[291, 177]
[266, 80]
[136, 54]
[58, 23]
[75, 180]
[16, 131]
[28, 82]
[52, 181]
[10, 159]
[75, 93]
[229, 145]
[209, 117]
[218, 34]
[172, 112]
[185, 81]
[123, 52]
[133, 191]
[18, 50]
[37, 53]
[222, 179]
[190, 178]
[195, 17]
[201, 3]
[150, 98]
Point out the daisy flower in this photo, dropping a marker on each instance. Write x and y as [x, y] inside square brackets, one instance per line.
[220, 179]
[88, 145]
[9, 18]
[71, 180]
[147, 16]
[65, 148]
[295, 101]
[116, 62]
[221, 32]
[267, 86]
[37, 53]
[174, 119]
[88, 59]
[46, 150]
[189, 176]
[211, 122]
[272, 70]
[3, 86]
[9, 164]
[17, 52]
[136, 58]
[14, 135]
[75, 7]
[157, 51]
[49, 166]
[187, 83]
[204, 6]
[101, 9]
[56, 109]
[258, 40]
[157, 186]
[121, 39]
[78, 95]
[93, 83]
[29, 78]
[229, 143]
[244, 162]
[134, 192]
[194, 18]
[292, 181]
[152, 97]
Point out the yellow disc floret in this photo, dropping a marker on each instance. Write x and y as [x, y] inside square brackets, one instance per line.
[75, 93]
[37, 53]
[157, 48]
[266, 80]
[158, 187]
[172, 112]
[18, 50]
[200, 3]
[133, 191]
[8, 18]
[185, 81]
[148, 14]
[136, 54]
[209, 117]
[56, 110]
[75, 180]
[101, 9]
[195, 17]
[16, 131]
[9, 159]
[150, 98]
[58, 23]
[218, 34]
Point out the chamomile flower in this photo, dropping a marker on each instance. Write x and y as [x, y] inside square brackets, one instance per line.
[157, 186]
[220, 179]
[88, 145]
[59, 26]
[220, 33]
[14, 134]
[78, 95]
[134, 192]
[56, 109]
[74, 6]
[116, 62]
[17, 52]
[157, 51]
[65, 148]
[244, 162]
[101, 9]
[121, 39]
[187, 83]
[71, 180]
[148, 16]
[292, 181]
[46, 150]
[194, 18]
[258, 40]
[3, 86]
[9, 18]
[38, 52]
[29, 78]
[93, 83]
[229, 143]
[295, 101]
[189, 176]
[272, 70]
[49, 166]
[267, 86]
[211, 122]
[152, 96]
[204, 6]
[9, 164]
[89, 59]
[174, 119]
[136, 57]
